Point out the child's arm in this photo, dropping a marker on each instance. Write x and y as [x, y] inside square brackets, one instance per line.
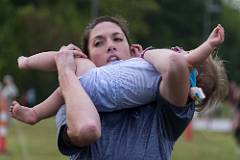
[50, 106]
[201, 53]
[174, 70]
[44, 60]
[159, 57]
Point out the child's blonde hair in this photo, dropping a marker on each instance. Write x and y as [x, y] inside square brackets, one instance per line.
[213, 80]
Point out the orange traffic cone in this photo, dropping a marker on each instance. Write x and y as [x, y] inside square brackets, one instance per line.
[3, 148]
[3, 125]
[188, 134]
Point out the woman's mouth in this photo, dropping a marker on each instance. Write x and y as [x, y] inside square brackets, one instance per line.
[112, 58]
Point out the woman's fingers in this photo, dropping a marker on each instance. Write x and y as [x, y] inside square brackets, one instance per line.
[73, 47]
[70, 47]
[77, 52]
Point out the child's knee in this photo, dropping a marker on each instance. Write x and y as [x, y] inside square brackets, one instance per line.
[177, 64]
[83, 65]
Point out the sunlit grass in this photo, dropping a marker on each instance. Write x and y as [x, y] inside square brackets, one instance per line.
[207, 146]
[38, 142]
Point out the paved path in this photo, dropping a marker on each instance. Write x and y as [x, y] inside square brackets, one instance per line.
[217, 125]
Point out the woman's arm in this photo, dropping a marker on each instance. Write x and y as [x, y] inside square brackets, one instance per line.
[174, 72]
[82, 118]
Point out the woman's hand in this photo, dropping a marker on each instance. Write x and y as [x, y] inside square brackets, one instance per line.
[65, 60]
[78, 54]
[216, 37]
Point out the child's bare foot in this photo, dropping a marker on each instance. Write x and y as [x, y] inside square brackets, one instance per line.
[22, 62]
[24, 114]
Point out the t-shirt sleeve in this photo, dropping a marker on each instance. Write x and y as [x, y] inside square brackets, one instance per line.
[64, 148]
[174, 119]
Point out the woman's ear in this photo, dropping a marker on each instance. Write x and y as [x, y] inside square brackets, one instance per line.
[136, 50]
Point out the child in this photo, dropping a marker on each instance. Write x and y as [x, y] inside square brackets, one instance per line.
[106, 103]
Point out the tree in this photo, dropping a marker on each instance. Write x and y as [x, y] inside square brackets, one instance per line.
[177, 23]
[134, 11]
[230, 19]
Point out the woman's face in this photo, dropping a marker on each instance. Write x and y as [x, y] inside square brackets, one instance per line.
[107, 43]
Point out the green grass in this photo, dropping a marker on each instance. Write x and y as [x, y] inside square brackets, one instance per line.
[207, 146]
[38, 142]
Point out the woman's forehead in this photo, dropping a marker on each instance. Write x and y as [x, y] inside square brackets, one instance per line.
[105, 28]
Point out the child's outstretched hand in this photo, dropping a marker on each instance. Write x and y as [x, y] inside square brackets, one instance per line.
[217, 36]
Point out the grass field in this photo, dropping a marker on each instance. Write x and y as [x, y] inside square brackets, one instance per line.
[39, 143]
[36, 142]
[207, 146]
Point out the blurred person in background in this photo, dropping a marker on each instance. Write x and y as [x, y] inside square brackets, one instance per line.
[8, 93]
[31, 97]
[234, 99]
[10, 90]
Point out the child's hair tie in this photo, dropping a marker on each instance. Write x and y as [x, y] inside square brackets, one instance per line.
[196, 93]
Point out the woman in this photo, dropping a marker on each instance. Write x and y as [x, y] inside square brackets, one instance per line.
[129, 130]
[145, 132]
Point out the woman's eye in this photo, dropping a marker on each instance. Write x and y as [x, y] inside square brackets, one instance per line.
[97, 44]
[118, 39]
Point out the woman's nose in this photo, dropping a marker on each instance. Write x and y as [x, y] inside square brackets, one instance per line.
[111, 46]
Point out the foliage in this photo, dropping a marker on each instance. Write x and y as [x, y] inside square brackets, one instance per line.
[39, 28]
[135, 12]
[177, 24]
[230, 18]
[31, 26]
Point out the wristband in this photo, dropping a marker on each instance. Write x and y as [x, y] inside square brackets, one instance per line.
[145, 50]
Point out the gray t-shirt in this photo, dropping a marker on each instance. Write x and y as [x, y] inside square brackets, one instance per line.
[136, 122]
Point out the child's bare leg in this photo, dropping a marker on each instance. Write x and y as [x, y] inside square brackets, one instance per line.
[174, 71]
[41, 61]
[83, 65]
[24, 114]
[45, 109]
[22, 62]
[50, 106]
